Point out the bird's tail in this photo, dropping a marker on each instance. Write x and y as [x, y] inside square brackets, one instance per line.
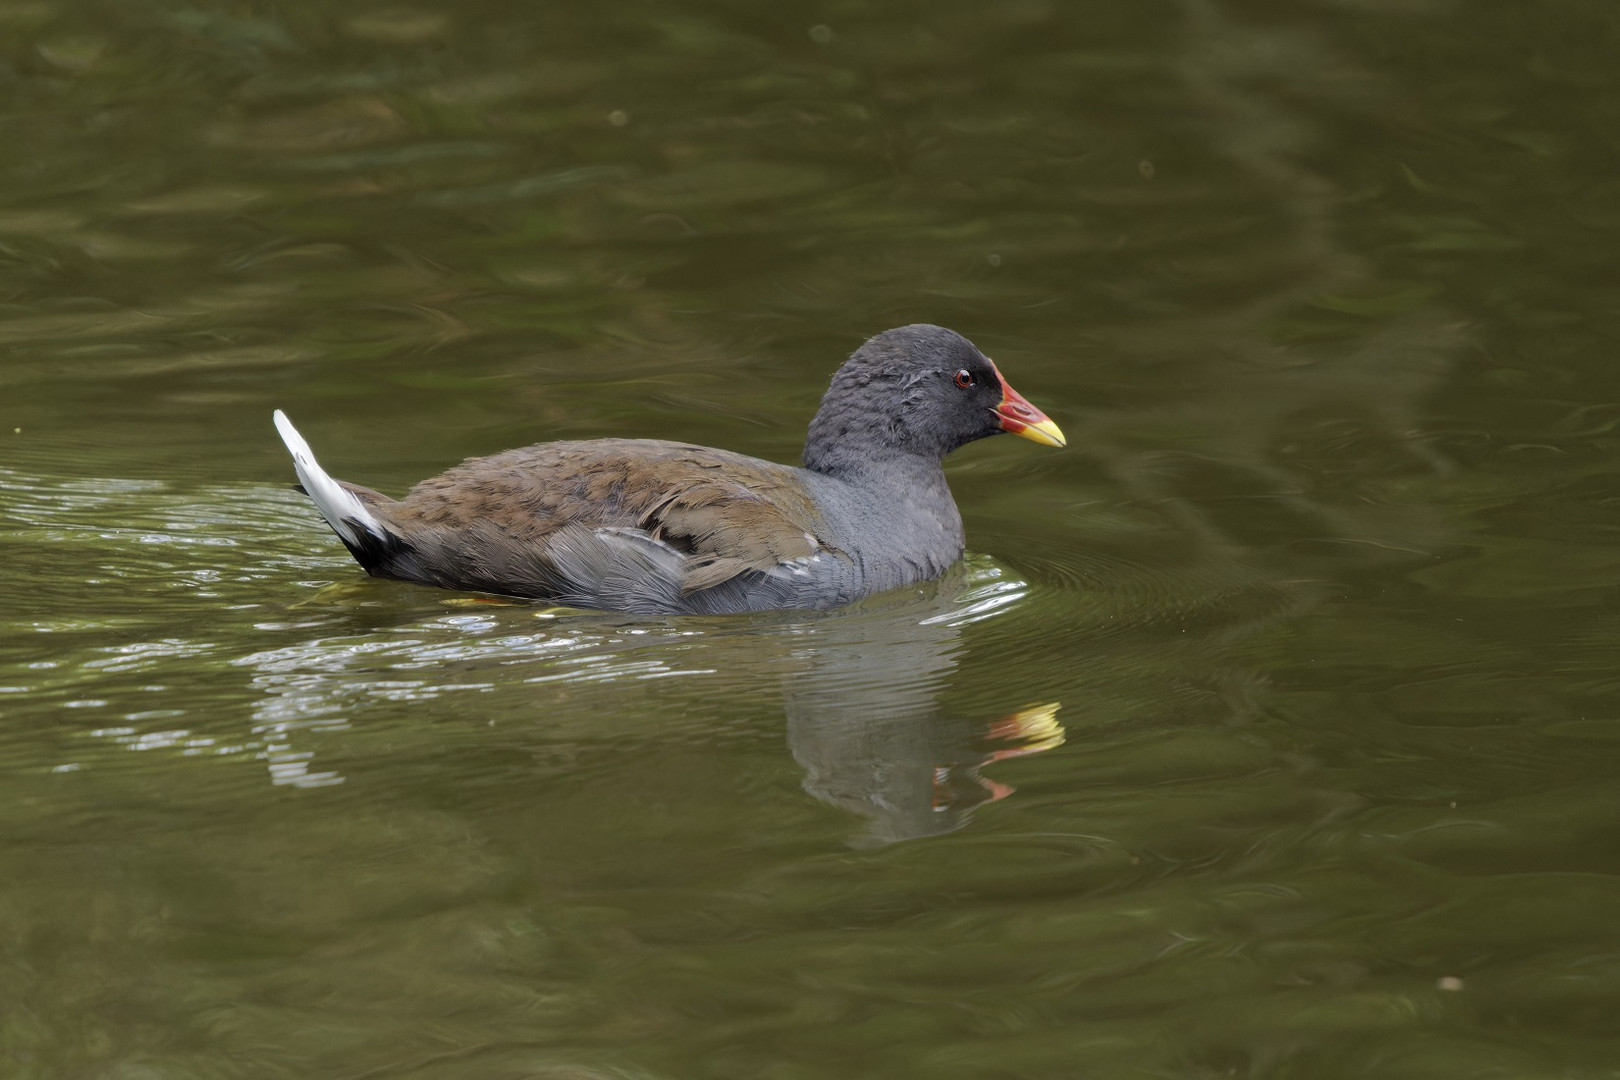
[368, 539]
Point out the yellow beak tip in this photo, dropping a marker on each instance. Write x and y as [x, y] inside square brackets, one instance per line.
[1046, 433]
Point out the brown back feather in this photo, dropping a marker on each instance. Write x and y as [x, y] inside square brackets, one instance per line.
[728, 513]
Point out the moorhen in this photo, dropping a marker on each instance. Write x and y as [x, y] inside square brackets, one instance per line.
[654, 527]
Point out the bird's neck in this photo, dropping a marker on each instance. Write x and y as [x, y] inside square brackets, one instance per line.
[850, 438]
[895, 507]
[867, 462]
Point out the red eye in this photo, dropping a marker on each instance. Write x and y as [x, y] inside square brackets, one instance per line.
[965, 379]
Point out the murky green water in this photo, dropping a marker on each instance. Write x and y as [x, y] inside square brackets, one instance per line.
[1270, 730]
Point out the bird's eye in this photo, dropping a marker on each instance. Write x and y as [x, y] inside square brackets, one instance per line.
[965, 379]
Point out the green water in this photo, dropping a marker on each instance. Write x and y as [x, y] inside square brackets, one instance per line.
[1269, 730]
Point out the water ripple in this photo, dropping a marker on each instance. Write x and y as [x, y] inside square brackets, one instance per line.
[301, 656]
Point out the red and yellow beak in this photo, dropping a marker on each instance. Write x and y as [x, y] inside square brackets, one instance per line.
[1019, 417]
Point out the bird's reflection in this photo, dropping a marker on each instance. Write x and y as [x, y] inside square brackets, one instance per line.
[864, 689]
[868, 723]
[916, 774]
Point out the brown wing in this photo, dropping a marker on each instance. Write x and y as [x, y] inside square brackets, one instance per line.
[725, 512]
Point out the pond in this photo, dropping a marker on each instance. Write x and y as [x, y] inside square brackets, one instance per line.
[1269, 729]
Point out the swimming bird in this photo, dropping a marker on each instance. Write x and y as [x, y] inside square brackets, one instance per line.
[654, 527]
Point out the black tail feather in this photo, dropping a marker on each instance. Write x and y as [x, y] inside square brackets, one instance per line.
[377, 553]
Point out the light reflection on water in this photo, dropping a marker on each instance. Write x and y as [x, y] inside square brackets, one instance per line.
[880, 666]
[833, 668]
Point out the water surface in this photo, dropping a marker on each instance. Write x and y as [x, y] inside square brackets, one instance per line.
[1269, 730]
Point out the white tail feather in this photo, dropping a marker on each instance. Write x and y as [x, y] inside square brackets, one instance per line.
[341, 508]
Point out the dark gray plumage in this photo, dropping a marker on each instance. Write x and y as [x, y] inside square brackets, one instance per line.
[661, 527]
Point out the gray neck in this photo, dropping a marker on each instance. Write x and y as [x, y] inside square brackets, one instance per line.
[899, 511]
